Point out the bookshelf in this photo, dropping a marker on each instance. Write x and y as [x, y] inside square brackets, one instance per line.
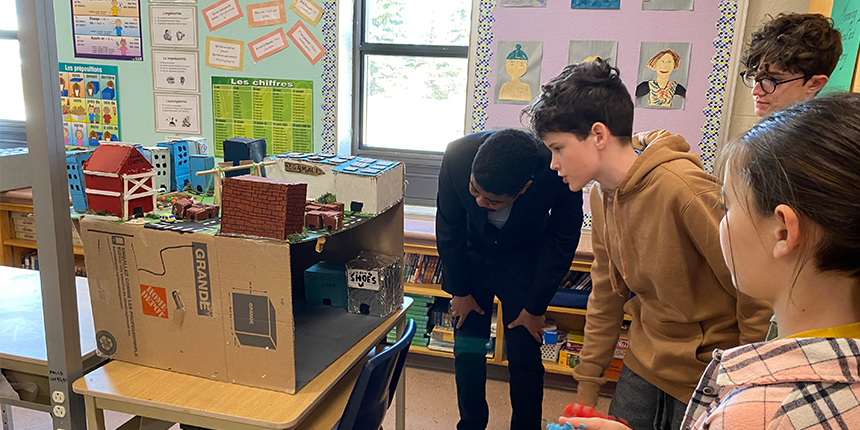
[13, 247]
[571, 319]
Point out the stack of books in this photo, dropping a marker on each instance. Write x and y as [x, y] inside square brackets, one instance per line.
[25, 228]
[422, 269]
[420, 312]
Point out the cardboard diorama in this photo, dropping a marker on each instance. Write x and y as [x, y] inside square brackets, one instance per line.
[226, 308]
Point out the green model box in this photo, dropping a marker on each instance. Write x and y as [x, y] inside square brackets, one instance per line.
[325, 284]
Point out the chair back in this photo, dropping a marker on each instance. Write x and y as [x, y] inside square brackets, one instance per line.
[374, 389]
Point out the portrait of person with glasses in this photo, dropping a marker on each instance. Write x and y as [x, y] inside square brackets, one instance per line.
[790, 60]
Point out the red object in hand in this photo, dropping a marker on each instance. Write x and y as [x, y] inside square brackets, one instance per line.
[578, 410]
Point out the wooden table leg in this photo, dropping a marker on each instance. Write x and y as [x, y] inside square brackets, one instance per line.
[400, 394]
[95, 416]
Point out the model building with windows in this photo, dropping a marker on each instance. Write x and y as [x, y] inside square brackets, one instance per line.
[119, 181]
[364, 185]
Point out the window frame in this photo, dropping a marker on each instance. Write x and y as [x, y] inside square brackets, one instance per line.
[12, 132]
[422, 167]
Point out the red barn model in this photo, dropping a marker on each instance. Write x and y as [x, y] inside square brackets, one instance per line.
[263, 207]
[119, 181]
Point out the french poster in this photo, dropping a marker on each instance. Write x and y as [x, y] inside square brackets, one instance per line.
[177, 113]
[173, 26]
[306, 42]
[307, 10]
[175, 71]
[222, 13]
[107, 29]
[268, 45]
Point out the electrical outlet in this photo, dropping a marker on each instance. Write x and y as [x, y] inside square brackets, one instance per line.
[58, 397]
[59, 411]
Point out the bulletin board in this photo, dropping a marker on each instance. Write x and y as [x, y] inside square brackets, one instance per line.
[706, 32]
[187, 52]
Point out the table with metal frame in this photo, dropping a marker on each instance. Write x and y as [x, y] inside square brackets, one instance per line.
[173, 397]
[23, 353]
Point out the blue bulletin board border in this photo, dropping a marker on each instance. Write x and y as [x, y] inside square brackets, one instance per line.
[482, 66]
[329, 76]
[717, 79]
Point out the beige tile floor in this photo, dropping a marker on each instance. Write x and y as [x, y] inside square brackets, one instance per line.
[431, 402]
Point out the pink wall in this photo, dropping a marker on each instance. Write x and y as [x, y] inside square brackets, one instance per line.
[557, 24]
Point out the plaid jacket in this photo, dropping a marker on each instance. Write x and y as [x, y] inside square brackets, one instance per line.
[811, 383]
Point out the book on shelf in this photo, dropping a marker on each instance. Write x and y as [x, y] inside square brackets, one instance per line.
[421, 268]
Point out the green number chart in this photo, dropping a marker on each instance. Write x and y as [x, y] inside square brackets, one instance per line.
[278, 110]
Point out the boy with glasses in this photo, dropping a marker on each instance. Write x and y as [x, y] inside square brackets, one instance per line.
[790, 59]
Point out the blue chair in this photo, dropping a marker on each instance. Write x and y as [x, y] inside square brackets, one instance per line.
[374, 390]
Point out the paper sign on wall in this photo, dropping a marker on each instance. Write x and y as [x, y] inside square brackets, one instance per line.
[222, 13]
[224, 53]
[177, 113]
[307, 10]
[107, 29]
[306, 42]
[268, 44]
[90, 101]
[268, 13]
[175, 71]
[173, 26]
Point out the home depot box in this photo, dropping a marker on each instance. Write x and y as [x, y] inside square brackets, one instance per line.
[220, 307]
[205, 305]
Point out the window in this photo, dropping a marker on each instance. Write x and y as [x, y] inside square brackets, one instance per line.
[12, 128]
[410, 84]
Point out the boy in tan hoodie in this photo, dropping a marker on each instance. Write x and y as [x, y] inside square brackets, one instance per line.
[655, 234]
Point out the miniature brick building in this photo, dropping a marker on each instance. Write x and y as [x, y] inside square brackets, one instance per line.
[313, 220]
[263, 207]
[180, 207]
[332, 221]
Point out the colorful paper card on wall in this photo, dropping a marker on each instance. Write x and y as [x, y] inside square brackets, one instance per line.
[268, 44]
[518, 71]
[663, 70]
[522, 3]
[90, 101]
[268, 13]
[278, 110]
[173, 26]
[595, 4]
[581, 51]
[107, 29]
[306, 42]
[177, 113]
[307, 10]
[222, 13]
[224, 53]
[667, 4]
[845, 14]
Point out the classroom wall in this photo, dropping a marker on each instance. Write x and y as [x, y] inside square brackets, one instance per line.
[743, 115]
[136, 113]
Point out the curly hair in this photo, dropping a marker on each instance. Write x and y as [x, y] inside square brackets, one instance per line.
[652, 63]
[796, 43]
[581, 95]
[505, 162]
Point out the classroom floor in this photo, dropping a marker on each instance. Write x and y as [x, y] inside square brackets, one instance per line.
[431, 403]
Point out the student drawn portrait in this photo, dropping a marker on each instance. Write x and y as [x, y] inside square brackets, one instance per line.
[582, 51]
[663, 69]
[595, 4]
[667, 4]
[522, 3]
[518, 71]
